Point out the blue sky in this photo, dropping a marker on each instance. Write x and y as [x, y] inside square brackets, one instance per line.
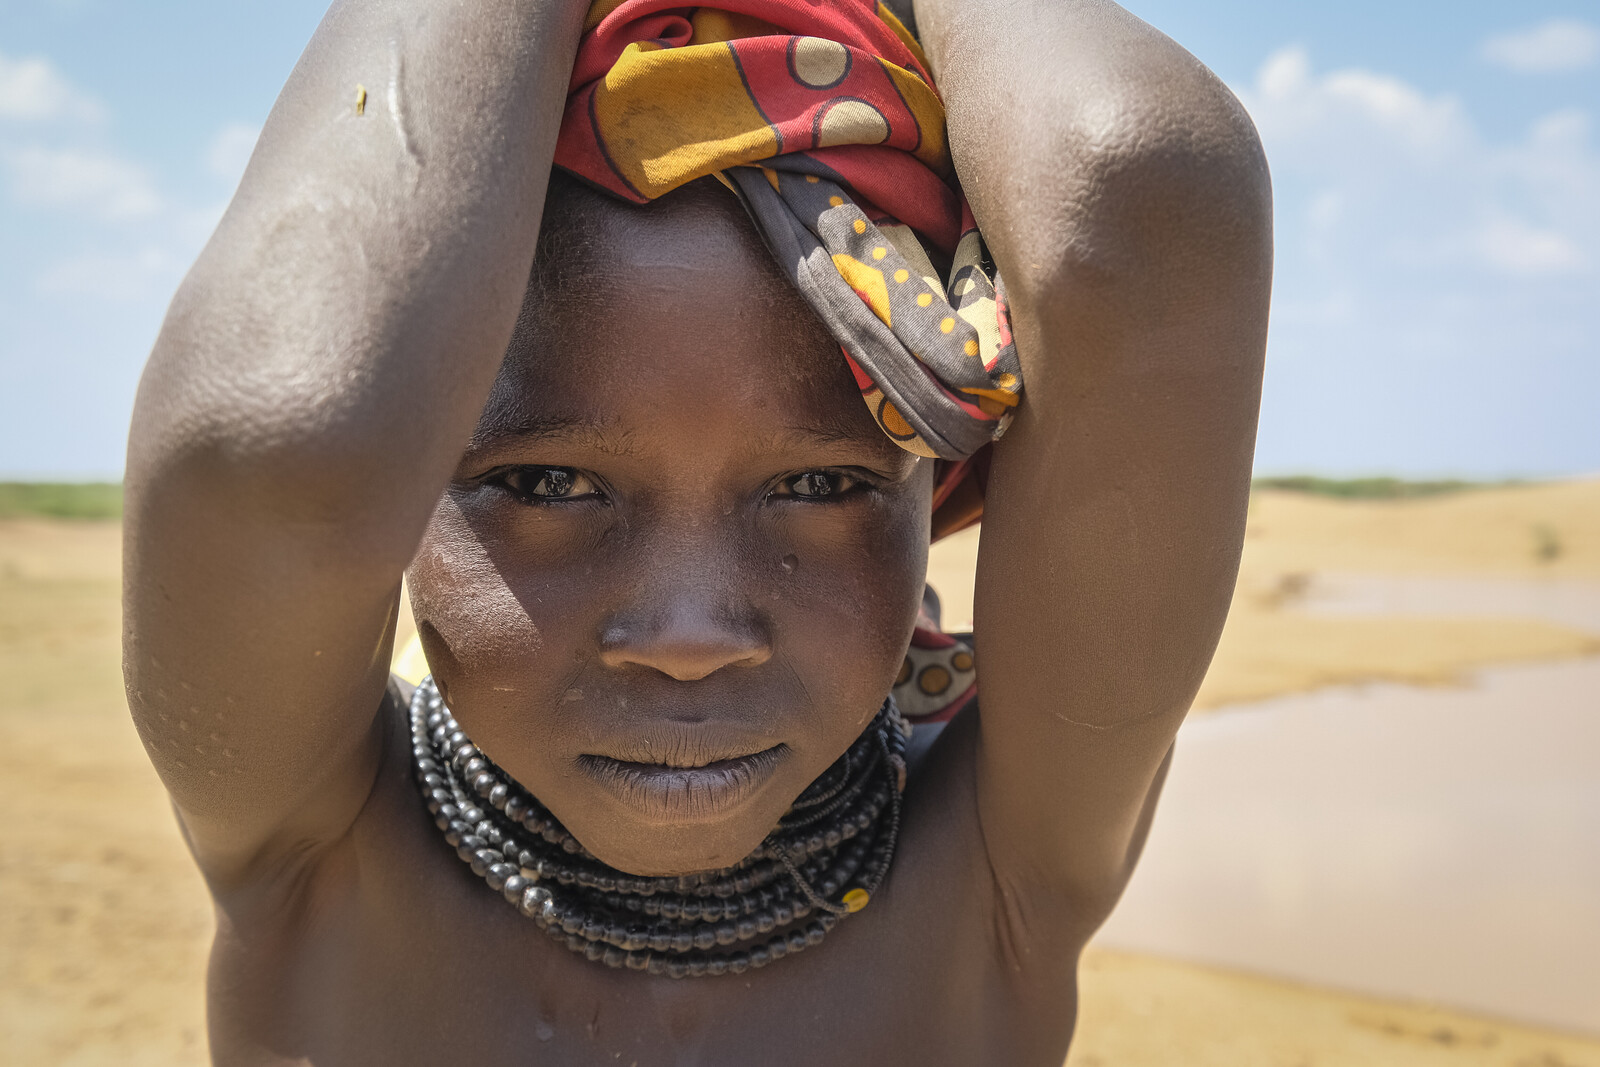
[1437, 168]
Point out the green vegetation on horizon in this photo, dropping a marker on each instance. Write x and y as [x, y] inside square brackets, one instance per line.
[60, 500]
[1371, 488]
[103, 500]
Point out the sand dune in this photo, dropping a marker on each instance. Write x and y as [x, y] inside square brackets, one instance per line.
[104, 923]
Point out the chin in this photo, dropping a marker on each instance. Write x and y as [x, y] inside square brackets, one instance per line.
[671, 852]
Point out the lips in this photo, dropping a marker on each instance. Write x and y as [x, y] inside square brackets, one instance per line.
[684, 789]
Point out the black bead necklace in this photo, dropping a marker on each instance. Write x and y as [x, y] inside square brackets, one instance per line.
[827, 857]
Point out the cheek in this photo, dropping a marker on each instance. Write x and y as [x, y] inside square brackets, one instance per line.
[472, 622]
[852, 599]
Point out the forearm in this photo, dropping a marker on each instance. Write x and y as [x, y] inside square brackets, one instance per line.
[332, 348]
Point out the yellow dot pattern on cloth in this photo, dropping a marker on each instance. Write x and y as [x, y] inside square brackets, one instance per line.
[879, 253]
[855, 900]
[890, 419]
[861, 225]
[933, 680]
[924, 300]
[836, 201]
[947, 325]
[972, 348]
[900, 276]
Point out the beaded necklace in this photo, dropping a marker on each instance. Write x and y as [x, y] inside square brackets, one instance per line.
[825, 859]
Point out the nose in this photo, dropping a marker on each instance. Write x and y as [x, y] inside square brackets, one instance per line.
[686, 637]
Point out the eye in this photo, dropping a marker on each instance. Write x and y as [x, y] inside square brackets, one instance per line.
[546, 484]
[818, 485]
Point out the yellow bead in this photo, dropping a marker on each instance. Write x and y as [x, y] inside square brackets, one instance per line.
[856, 899]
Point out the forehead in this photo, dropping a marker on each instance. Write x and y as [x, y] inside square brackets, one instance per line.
[668, 311]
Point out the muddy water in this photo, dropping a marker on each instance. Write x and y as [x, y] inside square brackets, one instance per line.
[1440, 845]
[1565, 602]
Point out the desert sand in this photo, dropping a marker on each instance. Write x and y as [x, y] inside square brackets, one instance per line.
[105, 924]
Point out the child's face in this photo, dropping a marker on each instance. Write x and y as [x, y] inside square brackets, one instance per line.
[678, 567]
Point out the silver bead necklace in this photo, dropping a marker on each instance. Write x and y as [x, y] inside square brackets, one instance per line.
[825, 859]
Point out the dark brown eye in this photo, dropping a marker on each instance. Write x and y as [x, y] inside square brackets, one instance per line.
[815, 485]
[549, 483]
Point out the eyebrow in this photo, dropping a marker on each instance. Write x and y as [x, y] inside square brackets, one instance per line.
[498, 428]
[831, 433]
[600, 434]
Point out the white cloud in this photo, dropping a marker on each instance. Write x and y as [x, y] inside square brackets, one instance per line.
[230, 150]
[1550, 47]
[97, 183]
[1351, 109]
[1514, 247]
[118, 277]
[1406, 177]
[32, 90]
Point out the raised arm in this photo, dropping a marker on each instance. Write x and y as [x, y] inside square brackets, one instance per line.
[317, 377]
[1126, 199]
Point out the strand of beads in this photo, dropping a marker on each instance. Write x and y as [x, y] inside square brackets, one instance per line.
[824, 860]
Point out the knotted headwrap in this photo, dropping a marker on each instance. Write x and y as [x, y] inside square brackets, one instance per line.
[823, 119]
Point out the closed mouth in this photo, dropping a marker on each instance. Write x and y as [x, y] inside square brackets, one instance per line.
[685, 793]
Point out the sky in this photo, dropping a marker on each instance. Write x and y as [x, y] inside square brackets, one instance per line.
[1436, 167]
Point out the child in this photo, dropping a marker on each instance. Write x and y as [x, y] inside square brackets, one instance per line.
[654, 806]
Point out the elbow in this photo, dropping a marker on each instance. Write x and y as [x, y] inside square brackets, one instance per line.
[260, 441]
[1163, 186]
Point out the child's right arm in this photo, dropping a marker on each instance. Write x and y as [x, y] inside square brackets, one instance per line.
[315, 382]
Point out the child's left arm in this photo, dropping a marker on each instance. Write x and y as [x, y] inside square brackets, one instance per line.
[1125, 197]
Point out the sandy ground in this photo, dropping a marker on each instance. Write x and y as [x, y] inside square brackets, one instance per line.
[104, 924]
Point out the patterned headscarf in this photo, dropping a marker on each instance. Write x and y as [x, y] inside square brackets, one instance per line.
[823, 119]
